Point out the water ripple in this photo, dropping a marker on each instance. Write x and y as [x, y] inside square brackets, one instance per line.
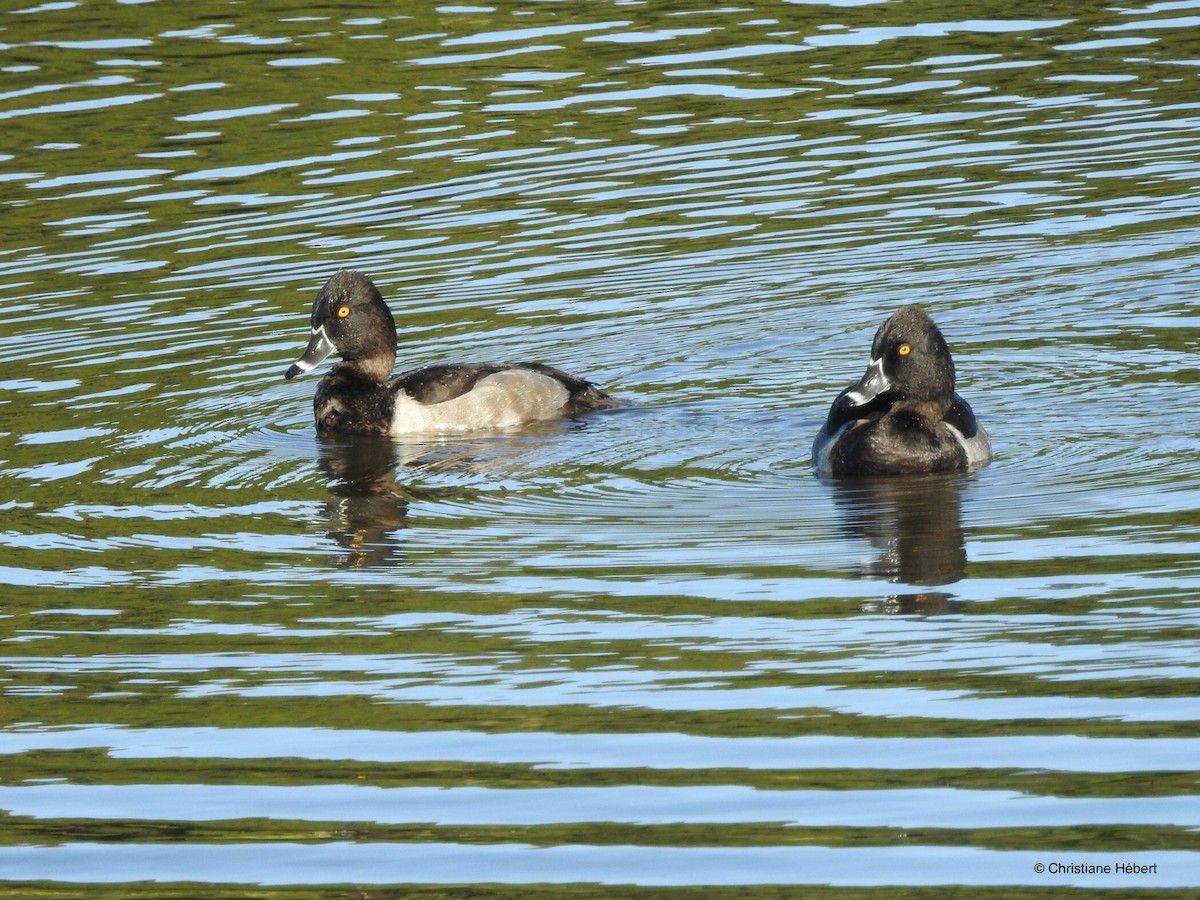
[648, 646]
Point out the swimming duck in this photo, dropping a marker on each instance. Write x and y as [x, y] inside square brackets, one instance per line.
[350, 318]
[903, 416]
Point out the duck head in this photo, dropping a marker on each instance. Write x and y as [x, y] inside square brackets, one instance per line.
[909, 361]
[350, 318]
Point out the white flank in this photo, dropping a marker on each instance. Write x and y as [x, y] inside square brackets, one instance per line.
[979, 448]
[503, 400]
[823, 446]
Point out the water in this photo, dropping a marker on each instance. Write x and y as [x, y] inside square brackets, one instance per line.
[647, 648]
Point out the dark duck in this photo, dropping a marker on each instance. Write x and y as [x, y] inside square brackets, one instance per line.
[903, 416]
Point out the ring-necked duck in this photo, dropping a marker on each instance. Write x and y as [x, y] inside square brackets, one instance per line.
[350, 318]
[903, 416]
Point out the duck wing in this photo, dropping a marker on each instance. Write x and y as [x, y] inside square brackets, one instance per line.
[962, 417]
[437, 384]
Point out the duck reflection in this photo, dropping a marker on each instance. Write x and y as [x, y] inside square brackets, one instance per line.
[916, 524]
[367, 503]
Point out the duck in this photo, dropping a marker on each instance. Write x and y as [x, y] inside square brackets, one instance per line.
[903, 416]
[359, 394]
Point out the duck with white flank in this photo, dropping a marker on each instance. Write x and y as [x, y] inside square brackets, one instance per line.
[359, 396]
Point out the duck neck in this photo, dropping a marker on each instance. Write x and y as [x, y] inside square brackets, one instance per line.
[929, 410]
[376, 369]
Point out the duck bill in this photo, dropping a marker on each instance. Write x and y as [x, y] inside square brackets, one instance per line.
[873, 383]
[319, 347]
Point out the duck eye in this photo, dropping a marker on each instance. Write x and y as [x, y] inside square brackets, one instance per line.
[343, 312]
[904, 349]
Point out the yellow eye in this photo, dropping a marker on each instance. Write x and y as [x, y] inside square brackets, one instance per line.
[904, 349]
[343, 312]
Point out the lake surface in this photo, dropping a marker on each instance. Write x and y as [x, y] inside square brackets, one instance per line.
[648, 649]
